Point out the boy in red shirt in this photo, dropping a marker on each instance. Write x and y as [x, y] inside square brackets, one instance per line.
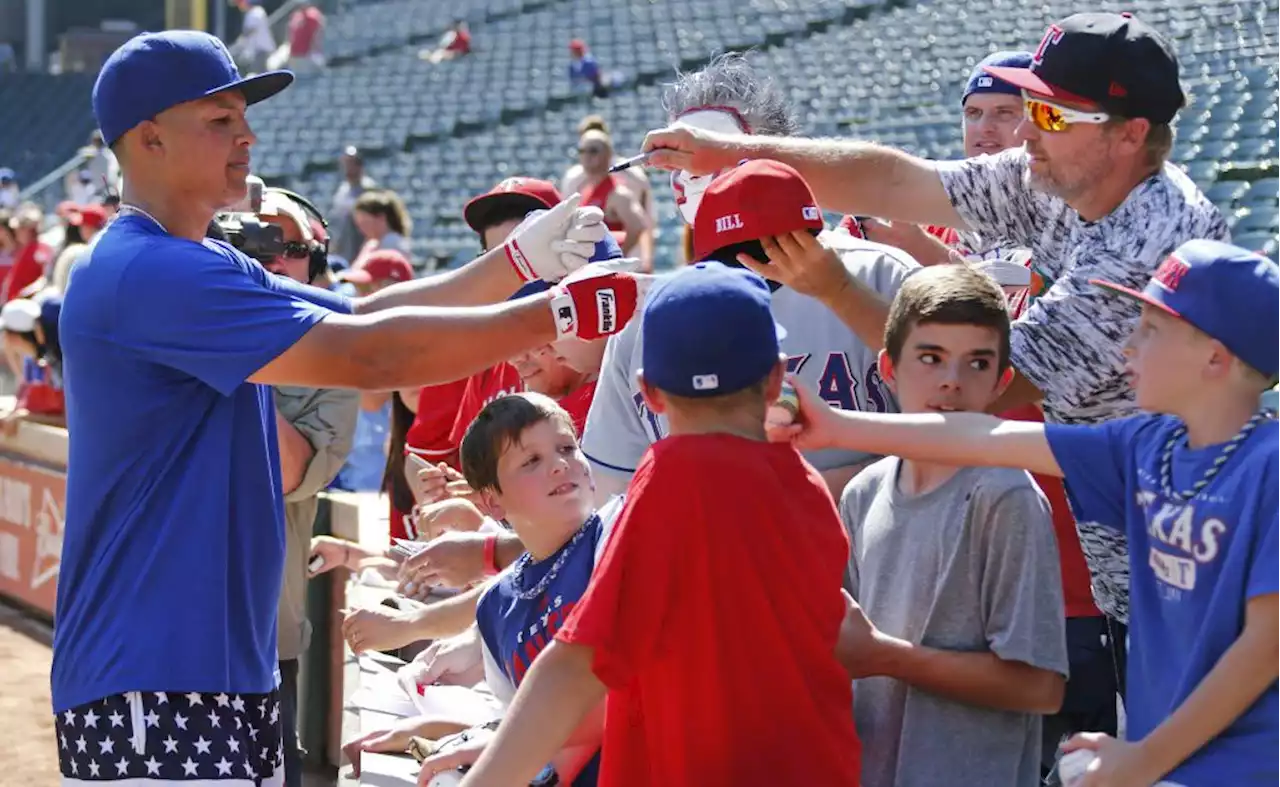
[711, 621]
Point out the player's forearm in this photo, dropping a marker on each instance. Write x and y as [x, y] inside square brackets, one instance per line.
[981, 679]
[404, 347]
[489, 278]
[961, 439]
[556, 694]
[1244, 672]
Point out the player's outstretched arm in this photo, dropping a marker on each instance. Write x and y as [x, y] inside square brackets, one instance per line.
[398, 348]
[860, 178]
[963, 439]
[548, 246]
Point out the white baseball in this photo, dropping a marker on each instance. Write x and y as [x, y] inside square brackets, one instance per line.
[1072, 766]
[446, 779]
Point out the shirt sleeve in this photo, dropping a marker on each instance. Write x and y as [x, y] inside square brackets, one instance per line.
[990, 194]
[328, 299]
[1262, 572]
[328, 421]
[1021, 588]
[622, 614]
[1070, 342]
[216, 318]
[619, 429]
[1095, 468]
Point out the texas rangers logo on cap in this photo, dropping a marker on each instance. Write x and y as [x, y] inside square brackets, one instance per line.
[1169, 274]
[811, 213]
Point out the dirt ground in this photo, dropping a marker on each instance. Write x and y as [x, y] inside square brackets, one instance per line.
[27, 753]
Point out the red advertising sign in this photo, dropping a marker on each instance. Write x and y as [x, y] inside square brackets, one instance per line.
[31, 506]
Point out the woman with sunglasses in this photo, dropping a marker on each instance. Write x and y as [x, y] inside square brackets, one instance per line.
[624, 211]
[1090, 193]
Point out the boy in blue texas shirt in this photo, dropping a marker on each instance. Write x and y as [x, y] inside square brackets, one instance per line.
[522, 454]
[1192, 484]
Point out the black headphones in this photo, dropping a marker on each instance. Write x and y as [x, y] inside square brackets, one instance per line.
[318, 262]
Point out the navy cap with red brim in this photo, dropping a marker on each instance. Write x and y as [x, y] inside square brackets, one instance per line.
[1026, 79]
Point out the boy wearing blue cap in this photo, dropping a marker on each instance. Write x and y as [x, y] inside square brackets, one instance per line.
[172, 559]
[1192, 485]
[719, 527]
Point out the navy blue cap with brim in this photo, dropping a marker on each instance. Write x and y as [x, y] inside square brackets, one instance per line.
[1228, 293]
[152, 72]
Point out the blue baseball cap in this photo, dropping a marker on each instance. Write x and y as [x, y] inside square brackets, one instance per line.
[1228, 293]
[980, 81]
[708, 331]
[7, 175]
[154, 71]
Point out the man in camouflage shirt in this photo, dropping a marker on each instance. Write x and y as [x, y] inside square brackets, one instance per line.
[1090, 194]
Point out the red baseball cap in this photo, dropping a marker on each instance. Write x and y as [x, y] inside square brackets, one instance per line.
[382, 265]
[752, 201]
[577, 45]
[530, 193]
[87, 215]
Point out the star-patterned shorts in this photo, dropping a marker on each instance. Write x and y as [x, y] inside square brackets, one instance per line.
[154, 737]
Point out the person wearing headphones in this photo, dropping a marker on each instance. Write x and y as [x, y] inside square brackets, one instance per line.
[315, 427]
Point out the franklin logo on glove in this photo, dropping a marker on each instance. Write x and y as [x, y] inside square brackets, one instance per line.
[607, 310]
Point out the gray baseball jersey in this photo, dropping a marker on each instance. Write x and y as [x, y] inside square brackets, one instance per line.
[820, 349]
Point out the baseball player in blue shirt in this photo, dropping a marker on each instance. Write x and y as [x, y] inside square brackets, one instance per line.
[164, 655]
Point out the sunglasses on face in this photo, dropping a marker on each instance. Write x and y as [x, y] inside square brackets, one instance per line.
[295, 250]
[1054, 118]
[591, 151]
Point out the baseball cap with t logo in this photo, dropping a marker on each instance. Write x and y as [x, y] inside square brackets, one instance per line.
[1114, 61]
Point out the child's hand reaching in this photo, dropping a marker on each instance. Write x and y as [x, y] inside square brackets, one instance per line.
[813, 427]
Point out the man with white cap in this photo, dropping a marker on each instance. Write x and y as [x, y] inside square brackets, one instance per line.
[174, 536]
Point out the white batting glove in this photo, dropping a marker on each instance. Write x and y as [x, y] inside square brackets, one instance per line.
[549, 244]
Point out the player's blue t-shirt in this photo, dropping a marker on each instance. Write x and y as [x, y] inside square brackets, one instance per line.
[173, 545]
[515, 631]
[1193, 567]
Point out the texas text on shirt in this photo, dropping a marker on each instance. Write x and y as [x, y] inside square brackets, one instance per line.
[1194, 566]
[713, 619]
[514, 631]
[173, 466]
[1068, 344]
[968, 566]
[821, 350]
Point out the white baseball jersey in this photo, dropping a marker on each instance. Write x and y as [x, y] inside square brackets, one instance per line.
[820, 349]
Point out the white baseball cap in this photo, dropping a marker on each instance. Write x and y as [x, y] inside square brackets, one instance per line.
[20, 315]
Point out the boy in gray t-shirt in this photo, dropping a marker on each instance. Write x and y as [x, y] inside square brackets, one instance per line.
[956, 569]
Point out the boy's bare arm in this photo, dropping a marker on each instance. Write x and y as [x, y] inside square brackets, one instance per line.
[1243, 673]
[555, 696]
[961, 439]
[982, 679]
